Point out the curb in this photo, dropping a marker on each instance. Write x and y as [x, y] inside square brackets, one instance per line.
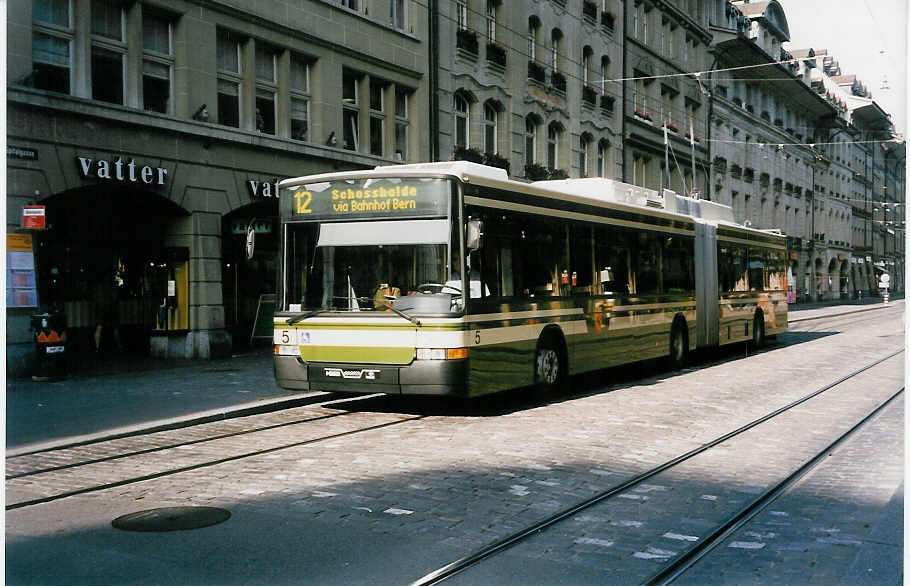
[799, 319]
[254, 408]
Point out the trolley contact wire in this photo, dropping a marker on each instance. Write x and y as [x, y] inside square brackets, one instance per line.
[495, 547]
[233, 458]
[689, 558]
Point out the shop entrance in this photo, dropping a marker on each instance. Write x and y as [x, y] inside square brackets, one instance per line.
[104, 262]
[245, 280]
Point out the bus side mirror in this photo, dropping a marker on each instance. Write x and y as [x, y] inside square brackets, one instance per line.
[473, 240]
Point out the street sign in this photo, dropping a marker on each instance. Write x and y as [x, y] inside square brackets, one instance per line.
[33, 217]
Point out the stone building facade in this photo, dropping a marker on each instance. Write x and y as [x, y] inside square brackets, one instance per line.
[526, 86]
[154, 133]
[664, 41]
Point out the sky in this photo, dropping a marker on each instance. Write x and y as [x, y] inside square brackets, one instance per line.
[867, 37]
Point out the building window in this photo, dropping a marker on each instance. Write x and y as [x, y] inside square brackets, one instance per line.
[583, 153]
[402, 123]
[300, 98]
[639, 170]
[266, 87]
[228, 61]
[352, 4]
[602, 151]
[108, 51]
[157, 64]
[530, 141]
[51, 62]
[107, 75]
[555, 39]
[586, 54]
[52, 40]
[491, 21]
[462, 118]
[53, 12]
[604, 73]
[350, 97]
[461, 14]
[399, 14]
[553, 136]
[533, 37]
[377, 117]
[490, 134]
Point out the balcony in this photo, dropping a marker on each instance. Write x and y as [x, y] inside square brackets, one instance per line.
[558, 82]
[606, 103]
[537, 73]
[466, 40]
[608, 20]
[496, 54]
[588, 96]
[589, 11]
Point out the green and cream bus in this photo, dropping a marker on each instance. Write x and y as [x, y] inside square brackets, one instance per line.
[562, 277]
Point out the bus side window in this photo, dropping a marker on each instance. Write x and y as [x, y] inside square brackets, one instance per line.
[612, 259]
[648, 262]
[581, 264]
[757, 271]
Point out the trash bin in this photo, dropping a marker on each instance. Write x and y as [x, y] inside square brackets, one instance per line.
[49, 333]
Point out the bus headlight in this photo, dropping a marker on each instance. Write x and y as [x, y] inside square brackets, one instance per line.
[441, 353]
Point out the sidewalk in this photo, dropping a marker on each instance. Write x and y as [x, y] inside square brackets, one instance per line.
[110, 397]
[120, 396]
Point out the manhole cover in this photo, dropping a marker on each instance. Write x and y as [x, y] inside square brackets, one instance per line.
[171, 519]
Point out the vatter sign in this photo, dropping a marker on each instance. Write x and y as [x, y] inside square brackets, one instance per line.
[118, 170]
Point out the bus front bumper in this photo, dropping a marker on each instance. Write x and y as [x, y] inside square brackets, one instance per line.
[420, 377]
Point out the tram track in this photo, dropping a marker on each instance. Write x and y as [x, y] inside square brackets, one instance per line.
[121, 459]
[449, 570]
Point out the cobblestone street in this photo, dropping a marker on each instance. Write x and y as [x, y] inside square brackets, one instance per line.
[387, 505]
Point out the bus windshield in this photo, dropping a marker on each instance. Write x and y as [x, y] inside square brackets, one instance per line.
[372, 266]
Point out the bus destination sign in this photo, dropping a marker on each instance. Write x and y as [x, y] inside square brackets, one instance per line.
[376, 198]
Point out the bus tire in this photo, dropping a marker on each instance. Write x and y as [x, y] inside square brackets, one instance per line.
[679, 345]
[550, 364]
[758, 331]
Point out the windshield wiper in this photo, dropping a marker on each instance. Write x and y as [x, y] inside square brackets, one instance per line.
[410, 318]
[302, 316]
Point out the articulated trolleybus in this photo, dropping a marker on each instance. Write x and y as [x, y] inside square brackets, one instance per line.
[451, 279]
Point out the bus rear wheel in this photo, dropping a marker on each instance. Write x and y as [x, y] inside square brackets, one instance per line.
[758, 331]
[679, 346]
[549, 366]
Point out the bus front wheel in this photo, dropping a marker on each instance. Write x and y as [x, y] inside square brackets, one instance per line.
[549, 366]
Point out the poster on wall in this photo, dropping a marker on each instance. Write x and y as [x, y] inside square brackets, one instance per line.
[21, 288]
